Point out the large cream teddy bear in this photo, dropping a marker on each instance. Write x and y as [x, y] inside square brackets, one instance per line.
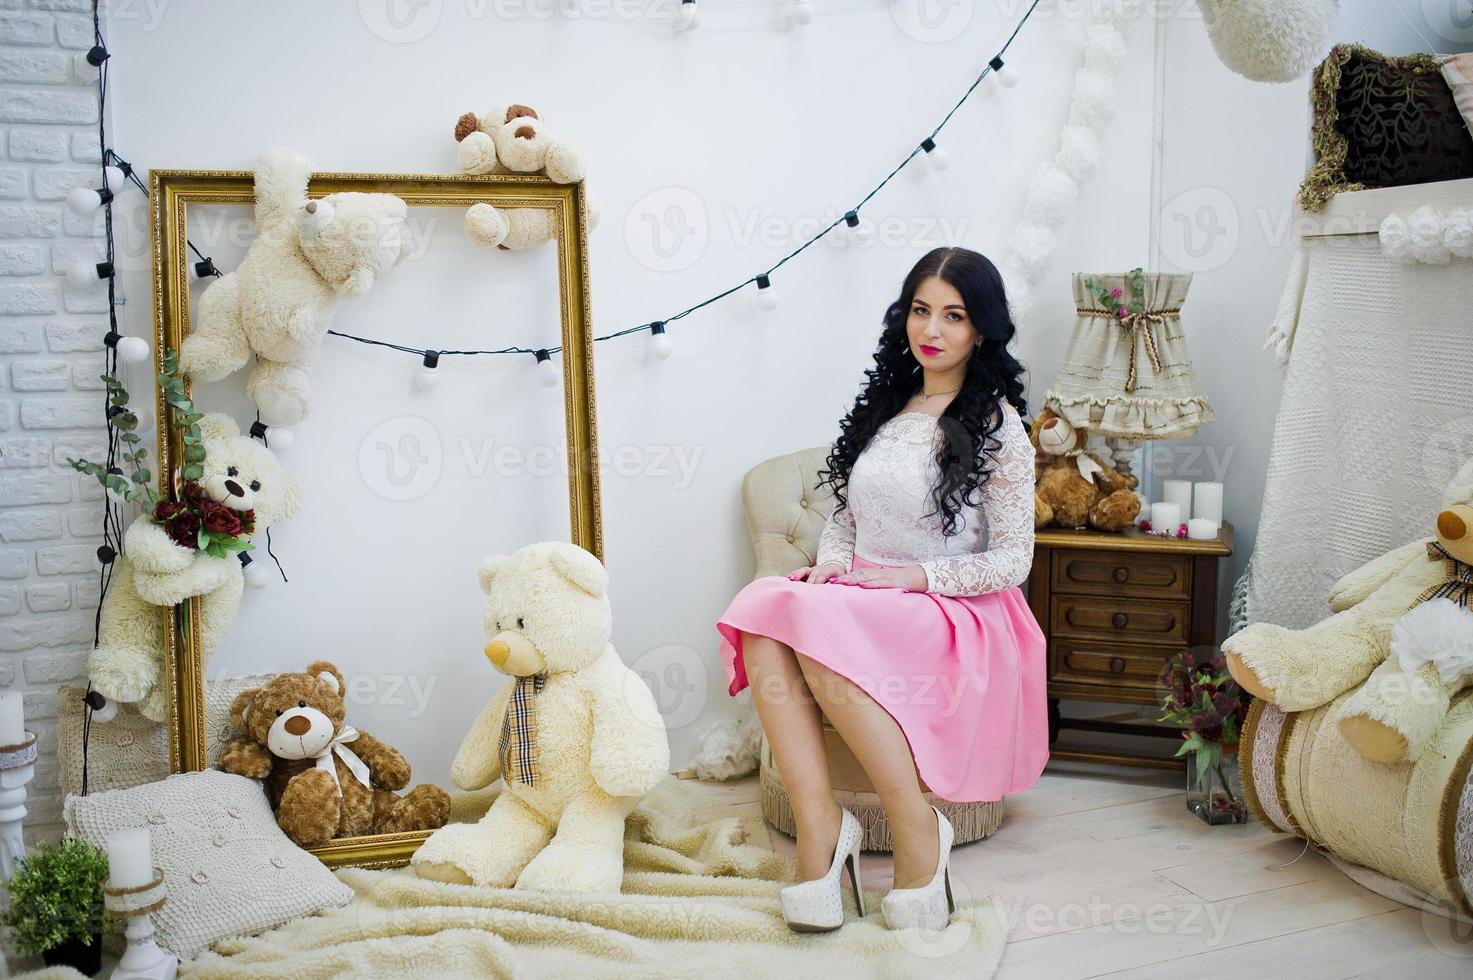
[575, 735]
[278, 304]
[513, 139]
[1401, 625]
[154, 571]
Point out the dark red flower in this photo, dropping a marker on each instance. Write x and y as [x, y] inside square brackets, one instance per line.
[183, 528]
[222, 520]
[1208, 726]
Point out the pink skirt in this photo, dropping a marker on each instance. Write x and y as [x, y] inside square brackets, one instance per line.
[963, 676]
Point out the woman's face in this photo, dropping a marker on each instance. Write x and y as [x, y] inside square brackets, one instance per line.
[940, 331]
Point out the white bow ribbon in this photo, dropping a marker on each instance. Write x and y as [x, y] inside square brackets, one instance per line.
[1087, 466]
[323, 759]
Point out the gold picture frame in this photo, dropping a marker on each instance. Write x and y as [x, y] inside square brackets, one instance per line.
[172, 192]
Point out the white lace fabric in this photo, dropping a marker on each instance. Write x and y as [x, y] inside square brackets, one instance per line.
[889, 520]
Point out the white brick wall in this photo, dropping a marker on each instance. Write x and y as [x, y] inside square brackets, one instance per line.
[51, 402]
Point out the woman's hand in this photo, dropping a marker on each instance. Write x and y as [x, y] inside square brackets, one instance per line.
[817, 575]
[911, 578]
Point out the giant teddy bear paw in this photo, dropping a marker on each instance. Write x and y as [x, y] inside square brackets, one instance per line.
[568, 867]
[476, 154]
[1287, 668]
[120, 674]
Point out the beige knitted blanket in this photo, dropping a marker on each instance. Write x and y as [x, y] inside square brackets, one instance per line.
[700, 899]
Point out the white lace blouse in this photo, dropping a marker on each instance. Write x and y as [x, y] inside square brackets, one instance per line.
[889, 520]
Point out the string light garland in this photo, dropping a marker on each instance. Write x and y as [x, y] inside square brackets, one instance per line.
[858, 231]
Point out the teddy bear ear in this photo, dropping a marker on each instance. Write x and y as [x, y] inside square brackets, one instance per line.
[240, 708]
[465, 125]
[581, 568]
[327, 674]
[218, 425]
[488, 570]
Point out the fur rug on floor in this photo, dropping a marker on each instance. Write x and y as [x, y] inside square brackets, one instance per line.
[700, 900]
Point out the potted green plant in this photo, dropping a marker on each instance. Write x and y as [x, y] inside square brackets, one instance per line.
[56, 904]
[1202, 697]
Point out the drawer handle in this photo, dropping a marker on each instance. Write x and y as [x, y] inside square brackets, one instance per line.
[1119, 619]
[1117, 666]
[1121, 573]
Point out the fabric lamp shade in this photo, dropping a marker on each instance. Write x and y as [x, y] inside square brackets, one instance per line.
[1130, 377]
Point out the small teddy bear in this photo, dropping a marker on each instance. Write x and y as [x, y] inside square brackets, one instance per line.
[1401, 629]
[278, 304]
[1075, 488]
[575, 734]
[325, 779]
[155, 569]
[514, 140]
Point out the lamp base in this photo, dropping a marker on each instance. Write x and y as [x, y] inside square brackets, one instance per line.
[143, 959]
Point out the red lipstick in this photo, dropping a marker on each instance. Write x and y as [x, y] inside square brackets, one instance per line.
[930, 351]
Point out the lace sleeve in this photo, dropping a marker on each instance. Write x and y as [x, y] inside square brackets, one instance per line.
[1007, 500]
[836, 543]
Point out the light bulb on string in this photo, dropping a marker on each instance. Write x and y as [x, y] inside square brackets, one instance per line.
[114, 178]
[767, 295]
[103, 270]
[688, 16]
[133, 350]
[428, 376]
[859, 232]
[1006, 74]
[204, 268]
[547, 372]
[97, 55]
[936, 156]
[255, 573]
[659, 340]
[84, 201]
[802, 12]
[278, 438]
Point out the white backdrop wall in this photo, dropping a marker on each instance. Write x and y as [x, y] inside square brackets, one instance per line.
[711, 155]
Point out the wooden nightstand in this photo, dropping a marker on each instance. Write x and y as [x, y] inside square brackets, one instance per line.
[1114, 607]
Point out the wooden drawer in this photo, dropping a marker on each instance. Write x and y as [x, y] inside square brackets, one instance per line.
[1143, 575]
[1126, 620]
[1108, 666]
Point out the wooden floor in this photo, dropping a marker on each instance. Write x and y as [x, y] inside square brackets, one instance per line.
[1102, 871]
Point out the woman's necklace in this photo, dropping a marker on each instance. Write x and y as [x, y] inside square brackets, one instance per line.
[925, 395]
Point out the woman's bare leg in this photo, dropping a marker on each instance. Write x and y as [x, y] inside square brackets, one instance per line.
[794, 728]
[881, 748]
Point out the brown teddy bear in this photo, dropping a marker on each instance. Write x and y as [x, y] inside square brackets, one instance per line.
[324, 778]
[1063, 494]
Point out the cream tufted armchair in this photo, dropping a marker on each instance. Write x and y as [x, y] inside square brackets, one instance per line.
[785, 516]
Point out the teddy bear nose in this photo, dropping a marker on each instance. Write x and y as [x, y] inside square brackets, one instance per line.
[524, 132]
[298, 725]
[498, 651]
[234, 488]
[1451, 526]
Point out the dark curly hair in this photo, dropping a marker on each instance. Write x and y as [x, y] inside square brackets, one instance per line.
[972, 416]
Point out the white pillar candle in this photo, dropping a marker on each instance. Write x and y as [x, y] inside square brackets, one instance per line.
[1178, 492]
[1165, 516]
[1207, 502]
[12, 718]
[129, 858]
[1201, 529]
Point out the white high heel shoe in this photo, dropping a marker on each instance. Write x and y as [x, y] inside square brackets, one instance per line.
[929, 906]
[818, 905]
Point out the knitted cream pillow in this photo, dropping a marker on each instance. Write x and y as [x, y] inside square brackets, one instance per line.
[131, 749]
[228, 868]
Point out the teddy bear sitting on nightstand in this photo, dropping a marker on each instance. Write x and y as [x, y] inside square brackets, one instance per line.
[575, 734]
